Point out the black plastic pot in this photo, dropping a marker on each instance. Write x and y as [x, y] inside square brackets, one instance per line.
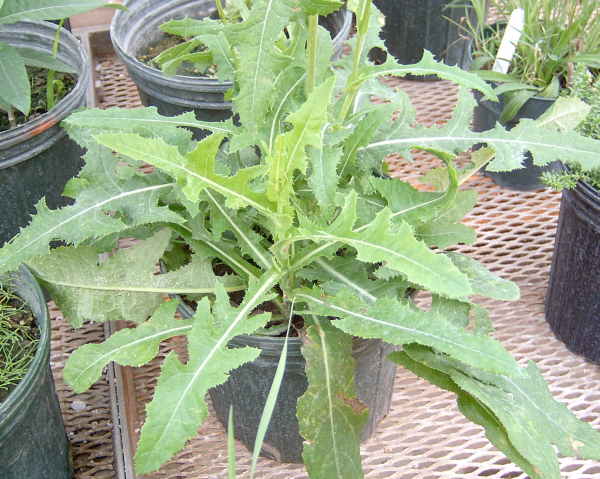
[485, 117]
[33, 439]
[573, 297]
[134, 31]
[37, 159]
[411, 27]
[248, 387]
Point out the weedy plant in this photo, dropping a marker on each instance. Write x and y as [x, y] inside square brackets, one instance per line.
[556, 34]
[586, 88]
[16, 88]
[286, 208]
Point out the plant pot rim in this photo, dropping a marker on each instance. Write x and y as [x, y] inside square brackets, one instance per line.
[63, 107]
[30, 381]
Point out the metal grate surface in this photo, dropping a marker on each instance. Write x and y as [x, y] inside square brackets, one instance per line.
[424, 436]
[87, 416]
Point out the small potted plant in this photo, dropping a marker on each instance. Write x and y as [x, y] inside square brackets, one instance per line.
[573, 297]
[153, 38]
[36, 156]
[555, 36]
[33, 440]
[284, 225]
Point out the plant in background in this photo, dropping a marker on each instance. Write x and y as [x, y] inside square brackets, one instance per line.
[556, 34]
[285, 212]
[586, 88]
[191, 50]
[18, 340]
[15, 92]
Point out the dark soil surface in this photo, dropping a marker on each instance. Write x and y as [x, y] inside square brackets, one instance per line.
[64, 83]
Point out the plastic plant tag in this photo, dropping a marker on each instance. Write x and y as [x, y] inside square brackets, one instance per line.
[509, 41]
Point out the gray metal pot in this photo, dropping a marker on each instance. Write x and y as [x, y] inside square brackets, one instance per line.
[38, 158]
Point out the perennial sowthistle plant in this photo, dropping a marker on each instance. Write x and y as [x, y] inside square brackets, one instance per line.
[286, 207]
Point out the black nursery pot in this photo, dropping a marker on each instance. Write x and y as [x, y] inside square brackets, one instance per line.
[573, 298]
[33, 439]
[413, 26]
[134, 31]
[38, 158]
[248, 387]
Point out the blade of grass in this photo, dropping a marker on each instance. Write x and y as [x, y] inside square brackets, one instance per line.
[231, 445]
[267, 413]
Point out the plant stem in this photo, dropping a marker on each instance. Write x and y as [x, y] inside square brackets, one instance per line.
[11, 117]
[363, 15]
[313, 25]
[50, 79]
[221, 12]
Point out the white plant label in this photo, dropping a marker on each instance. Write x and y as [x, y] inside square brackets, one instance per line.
[509, 41]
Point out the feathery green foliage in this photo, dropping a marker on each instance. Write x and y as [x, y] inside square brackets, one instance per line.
[585, 90]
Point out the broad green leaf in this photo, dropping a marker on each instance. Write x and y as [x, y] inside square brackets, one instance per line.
[171, 59]
[100, 191]
[290, 153]
[223, 218]
[138, 120]
[399, 322]
[17, 10]
[483, 323]
[128, 347]
[428, 66]
[39, 59]
[589, 59]
[398, 249]
[482, 280]
[14, 80]
[339, 272]
[323, 177]
[362, 135]
[178, 406]
[531, 414]
[320, 7]
[564, 115]
[255, 40]
[534, 422]
[194, 171]
[331, 417]
[220, 50]
[509, 146]
[455, 311]
[469, 406]
[442, 234]
[190, 27]
[406, 202]
[124, 286]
